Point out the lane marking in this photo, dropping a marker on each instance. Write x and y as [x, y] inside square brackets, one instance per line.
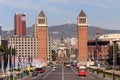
[62, 73]
[41, 74]
[73, 70]
[36, 77]
[46, 75]
[90, 76]
[82, 77]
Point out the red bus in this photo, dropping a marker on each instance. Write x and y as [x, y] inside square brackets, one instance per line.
[82, 71]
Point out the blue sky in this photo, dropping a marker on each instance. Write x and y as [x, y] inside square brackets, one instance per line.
[101, 13]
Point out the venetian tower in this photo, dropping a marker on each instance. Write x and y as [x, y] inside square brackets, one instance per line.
[82, 38]
[41, 34]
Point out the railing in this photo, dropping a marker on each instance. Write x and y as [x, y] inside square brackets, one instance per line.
[108, 74]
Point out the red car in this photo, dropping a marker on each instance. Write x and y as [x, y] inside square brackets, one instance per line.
[39, 70]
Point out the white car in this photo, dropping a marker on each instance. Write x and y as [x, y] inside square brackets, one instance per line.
[67, 65]
[53, 69]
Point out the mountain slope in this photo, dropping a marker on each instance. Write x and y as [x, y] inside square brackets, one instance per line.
[64, 31]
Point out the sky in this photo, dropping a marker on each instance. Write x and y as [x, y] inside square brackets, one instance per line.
[101, 13]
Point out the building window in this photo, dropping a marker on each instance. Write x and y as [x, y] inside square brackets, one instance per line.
[82, 20]
[41, 21]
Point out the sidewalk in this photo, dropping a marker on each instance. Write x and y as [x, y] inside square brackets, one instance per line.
[26, 77]
[108, 75]
[117, 72]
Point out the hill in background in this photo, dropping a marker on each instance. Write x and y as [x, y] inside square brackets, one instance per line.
[64, 31]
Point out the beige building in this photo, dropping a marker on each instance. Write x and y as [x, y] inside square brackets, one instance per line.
[36, 45]
[110, 37]
[25, 45]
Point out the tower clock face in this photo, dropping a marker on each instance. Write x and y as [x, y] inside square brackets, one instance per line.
[82, 20]
[41, 21]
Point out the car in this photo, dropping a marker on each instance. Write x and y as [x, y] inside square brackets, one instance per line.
[53, 69]
[54, 66]
[39, 70]
[68, 65]
[35, 73]
[82, 71]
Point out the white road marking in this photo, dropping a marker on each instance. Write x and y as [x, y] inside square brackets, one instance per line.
[43, 73]
[62, 73]
[46, 75]
[91, 77]
[82, 77]
[73, 70]
[36, 76]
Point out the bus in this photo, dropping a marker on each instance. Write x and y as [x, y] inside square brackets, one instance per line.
[82, 71]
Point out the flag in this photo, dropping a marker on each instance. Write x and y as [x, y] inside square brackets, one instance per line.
[16, 62]
[2, 66]
[24, 62]
[8, 64]
[12, 61]
[33, 61]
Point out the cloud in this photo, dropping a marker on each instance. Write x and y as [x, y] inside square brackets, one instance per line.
[47, 5]
[23, 4]
[57, 1]
[101, 3]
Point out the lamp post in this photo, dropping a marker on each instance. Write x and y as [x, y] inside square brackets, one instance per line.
[96, 50]
[114, 50]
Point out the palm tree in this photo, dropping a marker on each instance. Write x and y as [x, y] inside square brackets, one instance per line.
[110, 54]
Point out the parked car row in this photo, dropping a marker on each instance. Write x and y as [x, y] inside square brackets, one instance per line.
[37, 71]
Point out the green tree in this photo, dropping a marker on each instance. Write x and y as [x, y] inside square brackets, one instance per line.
[110, 54]
[54, 55]
[2, 49]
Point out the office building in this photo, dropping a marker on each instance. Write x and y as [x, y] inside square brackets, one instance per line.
[25, 45]
[20, 24]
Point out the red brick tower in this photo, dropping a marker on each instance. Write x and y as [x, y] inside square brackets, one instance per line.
[82, 38]
[41, 31]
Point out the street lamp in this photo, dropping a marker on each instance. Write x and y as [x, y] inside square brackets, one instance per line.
[96, 50]
[113, 70]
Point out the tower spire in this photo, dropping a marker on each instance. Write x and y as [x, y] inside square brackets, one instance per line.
[82, 14]
[42, 14]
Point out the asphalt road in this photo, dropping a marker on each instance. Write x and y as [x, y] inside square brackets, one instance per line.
[63, 73]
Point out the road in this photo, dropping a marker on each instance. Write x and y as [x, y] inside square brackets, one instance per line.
[63, 73]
